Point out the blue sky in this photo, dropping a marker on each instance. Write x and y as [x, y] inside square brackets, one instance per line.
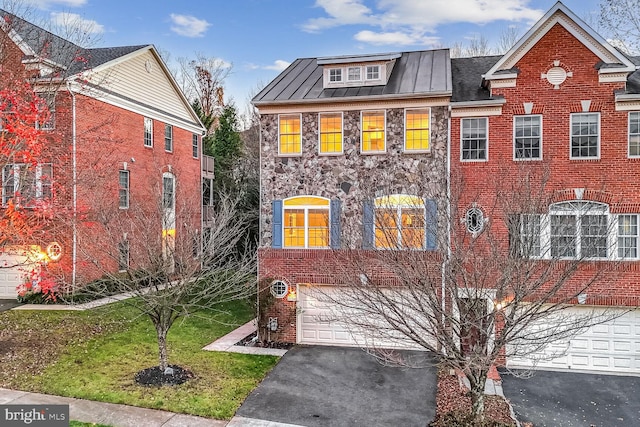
[260, 37]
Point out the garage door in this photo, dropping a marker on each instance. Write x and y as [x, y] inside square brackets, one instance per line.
[11, 274]
[613, 346]
[322, 321]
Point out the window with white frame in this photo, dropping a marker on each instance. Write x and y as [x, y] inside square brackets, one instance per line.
[289, 134]
[123, 255]
[399, 222]
[627, 236]
[123, 190]
[373, 72]
[416, 133]
[585, 135]
[373, 138]
[354, 74]
[26, 185]
[168, 137]
[527, 137]
[335, 75]
[168, 192]
[148, 132]
[634, 134]
[474, 138]
[195, 145]
[306, 222]
[330, 133]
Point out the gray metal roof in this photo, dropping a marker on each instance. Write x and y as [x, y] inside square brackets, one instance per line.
[62, 52]
[425, 73]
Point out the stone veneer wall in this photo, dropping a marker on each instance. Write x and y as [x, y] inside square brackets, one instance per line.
[351, 176]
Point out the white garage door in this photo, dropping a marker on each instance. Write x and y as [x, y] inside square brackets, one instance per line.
[613, 346]
[11, 274]
[322, 321]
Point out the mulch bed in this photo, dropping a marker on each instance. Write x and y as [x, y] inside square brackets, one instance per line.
[156, 377]
[453, 398]
[251, 341]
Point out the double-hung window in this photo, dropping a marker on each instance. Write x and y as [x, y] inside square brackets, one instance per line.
[306, 222]
[416, 134]
[474, 139]
[26, 185]
[148, 132]
[168, 137]
[399, 222]
[123, 190]
[335, 75]
[354, 74]
[585, 136]
[634, 134]
[195, 145]
[330, 133]
[527, 137]
[373, 72]
[290, 139]
[168, 192]
[628, 236]
[373, 132]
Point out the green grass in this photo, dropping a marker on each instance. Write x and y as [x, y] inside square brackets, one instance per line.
[81, 424]
[103, 368]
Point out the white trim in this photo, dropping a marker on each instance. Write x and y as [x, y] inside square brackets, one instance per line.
[170, 138]
[354, 67]
[629, 135]
[480, 111]
[144, 124]
[384, 112]
[300, 121]
[366, 72]
[486, 159]
[525, 159]
[571, 116]
[127, 188]
[404, 134]
[398, 207]
[330, 153]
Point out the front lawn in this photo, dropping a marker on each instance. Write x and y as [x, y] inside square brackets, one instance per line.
[95, 354]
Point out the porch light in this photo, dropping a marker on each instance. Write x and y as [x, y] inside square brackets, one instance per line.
[292, 295]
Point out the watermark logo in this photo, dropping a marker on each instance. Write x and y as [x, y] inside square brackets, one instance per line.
[34, 415]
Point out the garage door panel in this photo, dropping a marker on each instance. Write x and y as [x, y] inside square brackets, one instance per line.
[12, 272]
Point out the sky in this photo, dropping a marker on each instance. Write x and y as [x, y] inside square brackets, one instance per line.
[257, 39]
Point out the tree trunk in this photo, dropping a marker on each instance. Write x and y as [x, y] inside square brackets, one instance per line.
[477, 384]
[163, 357]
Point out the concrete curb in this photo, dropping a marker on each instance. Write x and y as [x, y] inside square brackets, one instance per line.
[227, 342]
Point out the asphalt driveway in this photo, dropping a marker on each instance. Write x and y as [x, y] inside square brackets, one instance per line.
[8, 304]
[338, 386]
[573, 399]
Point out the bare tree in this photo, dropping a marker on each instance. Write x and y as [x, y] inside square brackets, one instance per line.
[508, 38]
[160, 256]
[493, 287]
[478, 45]
[620, 19]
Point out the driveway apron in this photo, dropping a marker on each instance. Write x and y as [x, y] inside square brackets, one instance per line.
[338, 386]
[574, 399]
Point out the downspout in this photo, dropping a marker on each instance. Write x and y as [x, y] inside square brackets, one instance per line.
[445, 263]
[259, 225]
[75, 188]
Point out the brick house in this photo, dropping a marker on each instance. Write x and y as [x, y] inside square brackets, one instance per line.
[124, 138]
[562, 104]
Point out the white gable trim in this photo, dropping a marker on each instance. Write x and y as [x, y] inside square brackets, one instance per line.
[560, 14]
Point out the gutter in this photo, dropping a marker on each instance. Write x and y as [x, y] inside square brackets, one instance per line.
[484, 103]
[75, 188]
[354, 98]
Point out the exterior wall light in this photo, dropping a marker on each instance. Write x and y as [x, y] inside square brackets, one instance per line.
[292, 295]
[582, 298]
[54, 251]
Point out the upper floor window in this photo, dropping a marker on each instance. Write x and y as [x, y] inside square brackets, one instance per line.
[306, 222]
[354, 74]
[373, 72]
[168, 191]
[335, 75]
[330, 133]
[25, 184]
[195, 145]
[474, 138]
[373, 132]
[527, 137]
[290, 141]
[123, 191]
[399, 222]
[416, 134]
[634, 134]
[123, 255]
[168, 137]
[48, 122]
[585, 135]
[148, 132]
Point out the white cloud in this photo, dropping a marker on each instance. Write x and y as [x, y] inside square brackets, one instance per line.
[66, 19]
[408, 22]
[188, 26]
[394, 38]
[278, 65]
[46, 4]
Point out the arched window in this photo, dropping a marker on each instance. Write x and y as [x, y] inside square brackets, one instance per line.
[399, 222]
[306, 222]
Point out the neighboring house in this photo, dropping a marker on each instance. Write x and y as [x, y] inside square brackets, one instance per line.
[337, 136]
[343, 137]
[127, 140]
[562, 104]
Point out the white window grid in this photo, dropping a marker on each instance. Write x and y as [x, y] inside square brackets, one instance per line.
[474, 139]
[383, 131]
[320, 133]
[16, 177]
[527, 137]
[373, 72]
[634, 134]
[585, 136]
[123, 191]
[335, 75]
[168, 138]
[195, 145]
[354, 74]
[148, 132]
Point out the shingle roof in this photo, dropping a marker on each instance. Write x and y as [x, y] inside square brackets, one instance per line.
[467, 77]
[62, 52]
[421, 72]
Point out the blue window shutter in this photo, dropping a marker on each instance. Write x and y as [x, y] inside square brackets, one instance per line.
[368, 231]
[276, 224]
[335, 232]
[431, 224]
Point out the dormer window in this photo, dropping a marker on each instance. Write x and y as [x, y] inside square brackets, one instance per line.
[335, 75]
[373, 72]
[354, 74]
